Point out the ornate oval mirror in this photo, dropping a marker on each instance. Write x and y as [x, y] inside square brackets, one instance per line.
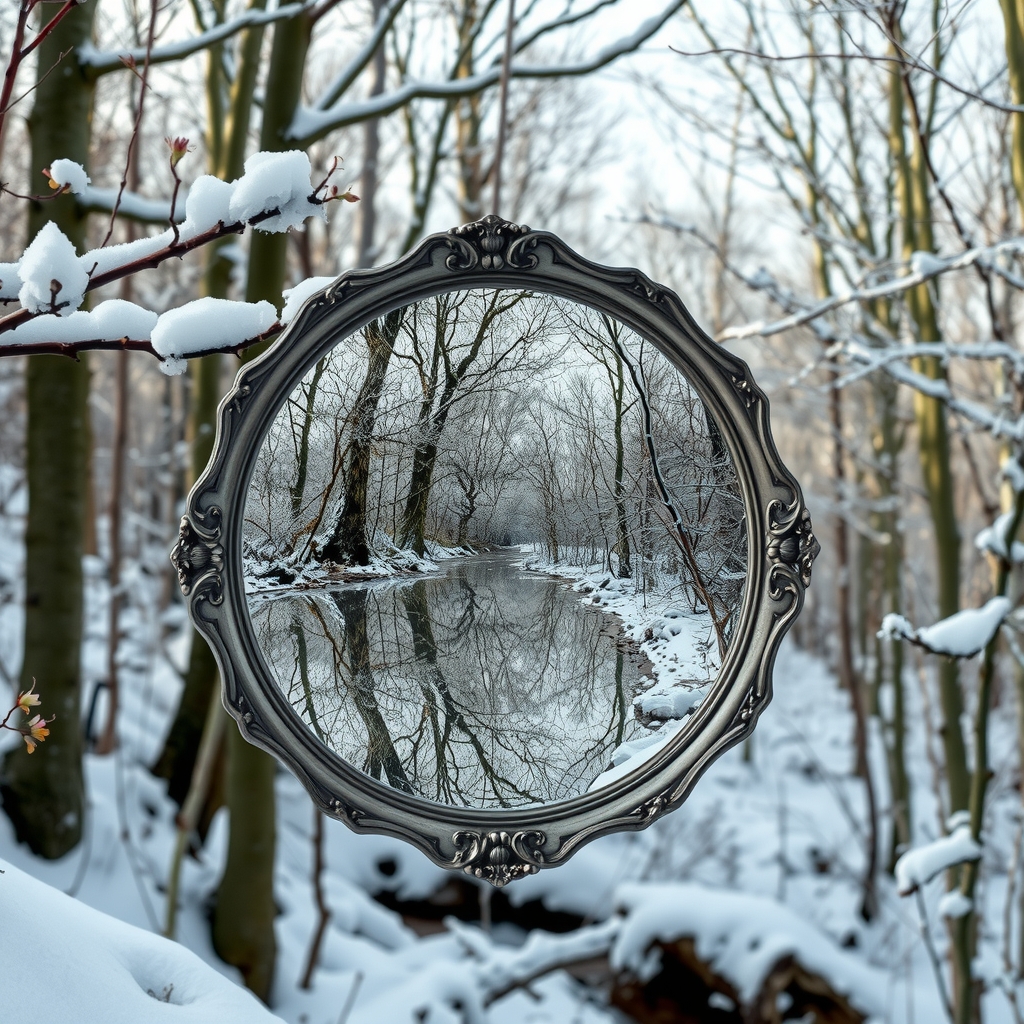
[495, 550]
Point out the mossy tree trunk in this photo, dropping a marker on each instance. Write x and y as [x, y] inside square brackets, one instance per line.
[43, 792]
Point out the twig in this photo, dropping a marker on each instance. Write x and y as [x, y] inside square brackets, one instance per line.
[143, 79]
[933, 955]
[321, 902]
[19, 53]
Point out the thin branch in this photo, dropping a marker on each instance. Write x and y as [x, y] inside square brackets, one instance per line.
[137, 127]
[905, 62]
[355, 67]
[19, 53]
[99, 62]
[72, 348]
[311, 124]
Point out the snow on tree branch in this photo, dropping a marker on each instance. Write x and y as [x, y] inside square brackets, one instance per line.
[313, 123]
[919, 866]
[51, 280]
[357, 64]
[102, 62]
[960, 636]
[922, 266]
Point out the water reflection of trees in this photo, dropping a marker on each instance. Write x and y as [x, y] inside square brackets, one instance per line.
[486, 688]
[504, 417]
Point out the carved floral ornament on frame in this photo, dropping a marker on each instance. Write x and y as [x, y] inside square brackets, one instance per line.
[495, 550]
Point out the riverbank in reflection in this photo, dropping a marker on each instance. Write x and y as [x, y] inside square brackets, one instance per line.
[485, 686]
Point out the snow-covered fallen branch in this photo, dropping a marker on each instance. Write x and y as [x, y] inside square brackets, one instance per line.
[960, 636]
[920, 865]
[739, 936]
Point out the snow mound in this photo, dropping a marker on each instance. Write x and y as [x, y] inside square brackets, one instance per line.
[206, 324]
[109, 321]
[67, 172]
[208, 204]
[739, 936]
[76, 964]
[50, 271]
[275, 181]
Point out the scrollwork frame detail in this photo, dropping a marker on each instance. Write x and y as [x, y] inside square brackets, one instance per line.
[497, 845]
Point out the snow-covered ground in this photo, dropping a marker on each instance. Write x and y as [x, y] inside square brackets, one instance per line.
[267, 575]
[762, 861]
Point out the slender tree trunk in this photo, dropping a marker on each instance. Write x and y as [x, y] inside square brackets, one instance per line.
[933, 447]
[298, 489]
[43, 793]
[621, 519]
[381, 755]
[367, 249]
[348, 543]
[243, 918]
[227, 158]
[414, 517]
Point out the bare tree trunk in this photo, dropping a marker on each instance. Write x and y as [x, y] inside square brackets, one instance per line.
[348, 542]
[367, 252]
[43, 793]
[243, 918]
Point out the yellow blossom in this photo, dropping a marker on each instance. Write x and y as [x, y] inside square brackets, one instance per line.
[37, 732]
[28, 700]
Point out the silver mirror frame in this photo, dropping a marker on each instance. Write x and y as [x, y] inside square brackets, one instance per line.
[497, 845]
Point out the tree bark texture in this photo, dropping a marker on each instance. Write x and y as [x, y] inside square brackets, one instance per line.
[43, 792]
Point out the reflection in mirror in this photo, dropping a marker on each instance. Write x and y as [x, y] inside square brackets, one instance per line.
[494, 549]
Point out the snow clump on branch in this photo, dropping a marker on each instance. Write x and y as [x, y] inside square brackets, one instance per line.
[295, 298]
[278, 181]
[919, 866]
[960, 636]
[53, 279]
[206, 324]
[67, 176]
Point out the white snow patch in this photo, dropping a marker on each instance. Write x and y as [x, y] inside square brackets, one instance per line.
[51, 263]
[955, 904]
[67, 172]
[960, 636]
[738, 935]
[920, 865]
[73, 963]
[1013, 471]
[275, 181]
[208, 204]
[993, 538]
[208, 323]
[10, 283]
[111, 320]
[295, 298]
[926, 263]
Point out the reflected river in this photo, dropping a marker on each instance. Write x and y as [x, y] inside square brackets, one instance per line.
[486, 685]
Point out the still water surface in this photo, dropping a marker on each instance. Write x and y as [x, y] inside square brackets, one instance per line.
[484, 686]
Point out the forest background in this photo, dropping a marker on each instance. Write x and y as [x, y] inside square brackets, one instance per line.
[835, 191]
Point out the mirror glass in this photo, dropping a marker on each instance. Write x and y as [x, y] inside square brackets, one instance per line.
[494, 549]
